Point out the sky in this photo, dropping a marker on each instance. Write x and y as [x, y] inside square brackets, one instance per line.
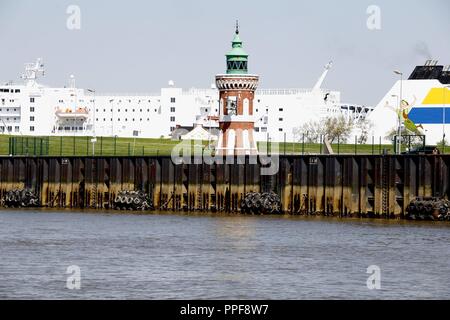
[138, 46]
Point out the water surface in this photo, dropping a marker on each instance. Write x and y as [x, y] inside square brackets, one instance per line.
[172, 256]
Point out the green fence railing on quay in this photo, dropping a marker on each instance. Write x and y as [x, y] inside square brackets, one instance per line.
[115, 146]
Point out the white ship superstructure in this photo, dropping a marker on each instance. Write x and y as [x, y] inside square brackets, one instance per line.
[419, 104]
[34, 109]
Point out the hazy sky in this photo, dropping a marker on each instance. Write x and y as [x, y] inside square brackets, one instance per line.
[137, 46]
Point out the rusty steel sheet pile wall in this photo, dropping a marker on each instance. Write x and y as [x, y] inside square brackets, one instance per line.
[344, 185]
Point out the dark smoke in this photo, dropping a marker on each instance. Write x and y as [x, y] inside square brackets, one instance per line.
[421, 49]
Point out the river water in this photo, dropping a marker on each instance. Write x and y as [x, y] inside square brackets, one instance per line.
[176, 256]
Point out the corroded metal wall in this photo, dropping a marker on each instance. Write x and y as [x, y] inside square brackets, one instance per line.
[327, 184]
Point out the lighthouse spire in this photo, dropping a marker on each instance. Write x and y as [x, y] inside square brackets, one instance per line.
[237, 58]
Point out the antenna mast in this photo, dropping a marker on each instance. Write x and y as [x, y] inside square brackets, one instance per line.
[32, 71]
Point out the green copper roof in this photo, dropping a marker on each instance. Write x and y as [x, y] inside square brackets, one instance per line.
[237, 58]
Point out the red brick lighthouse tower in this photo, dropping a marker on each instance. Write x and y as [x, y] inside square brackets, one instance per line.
[236, 94]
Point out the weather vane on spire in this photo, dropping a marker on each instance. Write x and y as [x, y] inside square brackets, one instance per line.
[237, 26]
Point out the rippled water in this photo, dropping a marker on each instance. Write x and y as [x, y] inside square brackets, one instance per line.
[171, 256]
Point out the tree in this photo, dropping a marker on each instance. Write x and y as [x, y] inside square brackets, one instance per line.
[364, 125]
[334, 127]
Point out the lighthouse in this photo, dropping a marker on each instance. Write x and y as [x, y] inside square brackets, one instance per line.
[236, 94]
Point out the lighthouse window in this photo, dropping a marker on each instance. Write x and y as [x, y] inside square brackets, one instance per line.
[280, 129]
[172, 119]
[31, 128]
[280, 109]
[257, 129]
[172, 109]
[31, 100]
[172, 100]
[237, 65]
[280, 119]
[31, 118]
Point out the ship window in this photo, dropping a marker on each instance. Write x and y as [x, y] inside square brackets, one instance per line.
[31, 128]
[280, 119]
[263, 129]
[257, 129]
[133, 110]
[31, 100]
[126, 119]
[17, 91]
[280, 109]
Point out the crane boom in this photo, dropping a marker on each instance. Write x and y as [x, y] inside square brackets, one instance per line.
[322, 77]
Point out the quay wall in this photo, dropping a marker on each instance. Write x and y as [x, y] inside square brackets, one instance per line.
[339, 185]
